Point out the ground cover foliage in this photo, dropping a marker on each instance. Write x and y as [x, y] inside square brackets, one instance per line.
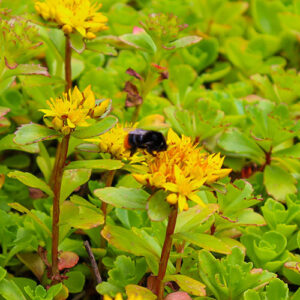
[216, 215]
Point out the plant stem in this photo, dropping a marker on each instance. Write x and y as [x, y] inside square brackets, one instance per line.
[93, 262]
[165, 253]
[68, 68]
[146, 87]
[68, 79]
[52, 178]
[136, 113]
[58, 174]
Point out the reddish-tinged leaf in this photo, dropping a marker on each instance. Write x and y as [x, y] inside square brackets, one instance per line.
[133, 73]
[26, 69]
[36, 193]
[152, 283]
[4, 111]
[11, 66]
[178, 296]
[33, 133]
[67, 260]
[133, 97]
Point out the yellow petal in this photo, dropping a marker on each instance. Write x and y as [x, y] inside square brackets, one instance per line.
[158, 179]
[119, 297]
[83, 123]
[76, 95]
[182, 202]
[81, 30]
[101, 108]
[169, 186]
[70, 124]
[48, 112]
[90, 35]
[178, 175]
[87, 91]
[194, 197]
[89, 101]
[173, 138]
[141, 178]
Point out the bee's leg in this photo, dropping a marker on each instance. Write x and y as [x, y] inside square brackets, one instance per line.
[132, 151]
[150, 151]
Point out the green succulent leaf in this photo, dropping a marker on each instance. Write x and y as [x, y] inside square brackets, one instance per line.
[10, 291]
[25, 69]
[240, 145]
[140, 40]
[279, 183]
[98, 128]
[157, 207]
[102, 164]
[76, 42]
[78, 216]
[205, 241]
[230, 276]
[146, 294]
[32, 133]
[123, 197]
[190, 220]
[32, 181]
[135, 241]
[187, 284]
[184, 42]
[75, 281]
[72, 179]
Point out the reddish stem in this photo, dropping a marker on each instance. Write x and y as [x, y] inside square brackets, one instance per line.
[58, 174]
[165, 254]
[68, 79]
[68, 66]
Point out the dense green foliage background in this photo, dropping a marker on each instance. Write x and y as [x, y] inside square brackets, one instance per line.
[235, 92]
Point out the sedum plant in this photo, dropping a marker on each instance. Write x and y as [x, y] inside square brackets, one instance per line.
[215, 215]
[230, 277]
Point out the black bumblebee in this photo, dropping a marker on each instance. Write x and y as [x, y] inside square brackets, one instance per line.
[145, 139]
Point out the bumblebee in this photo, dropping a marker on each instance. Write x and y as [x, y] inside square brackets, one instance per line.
[145, 139]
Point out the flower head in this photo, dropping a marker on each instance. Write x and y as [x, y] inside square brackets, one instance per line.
[73, 109]
[182, 169]
[71, 15]
[114, 143]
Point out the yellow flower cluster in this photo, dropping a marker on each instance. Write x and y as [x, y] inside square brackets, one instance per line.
[119, 297]
[182, 169]
[74, 109]
[114, 143]
[72, 15]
